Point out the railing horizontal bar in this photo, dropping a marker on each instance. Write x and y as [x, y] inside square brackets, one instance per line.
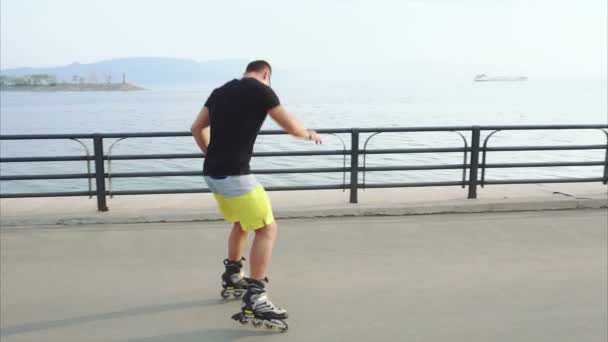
[155, 174]
[187, 133]
[414, 150]
[146, 135]
[301, 153]
[411, 185]
[155, 156]
[326, 130]
[545, 148]
[46, 176]
[298, 153]
[370, 130]
[291, 153]
[274, 132]
[533, 127]
[414, 168]
[44, 159]
[44, 136]
[200, 155]
[276, 171]
[46, 194]
[200, 173]
[302, 170]
[558, 164]
[308, 187]
[540, 181]
[159, 191]
[204, 190]
[415, 129]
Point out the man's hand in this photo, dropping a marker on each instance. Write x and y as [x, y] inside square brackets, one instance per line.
[314, 136]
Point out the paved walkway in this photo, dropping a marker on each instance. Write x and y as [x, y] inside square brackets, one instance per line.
[307, 204]
[534, 276]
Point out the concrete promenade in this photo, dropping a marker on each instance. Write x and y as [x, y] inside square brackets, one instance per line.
[520, 276]
[306, 204]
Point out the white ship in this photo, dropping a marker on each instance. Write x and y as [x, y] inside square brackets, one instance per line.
[486, 78]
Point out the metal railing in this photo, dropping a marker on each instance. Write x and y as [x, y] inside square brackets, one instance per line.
[470, 149]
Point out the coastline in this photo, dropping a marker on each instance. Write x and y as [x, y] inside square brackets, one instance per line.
[74, 87]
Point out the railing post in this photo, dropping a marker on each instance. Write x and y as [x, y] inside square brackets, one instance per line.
[100, 181]
[606, 166]
[354, 165]
[474, 166]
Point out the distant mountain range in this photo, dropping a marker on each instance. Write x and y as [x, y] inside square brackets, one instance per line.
[145, 70]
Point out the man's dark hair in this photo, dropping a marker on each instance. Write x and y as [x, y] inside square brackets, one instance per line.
[258, 66]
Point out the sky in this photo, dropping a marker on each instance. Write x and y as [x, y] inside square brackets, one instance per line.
[545, 38]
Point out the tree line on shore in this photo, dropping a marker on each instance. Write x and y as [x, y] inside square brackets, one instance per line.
[51, 80]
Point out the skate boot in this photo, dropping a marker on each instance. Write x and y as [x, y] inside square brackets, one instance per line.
[234, 282]
[258, 310]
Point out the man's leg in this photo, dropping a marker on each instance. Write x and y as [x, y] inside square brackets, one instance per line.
[255, 301]
[237, 242]
[233, 279]
[261, 250]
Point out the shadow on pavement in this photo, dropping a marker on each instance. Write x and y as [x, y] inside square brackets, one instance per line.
[216, 335]
[136, 311]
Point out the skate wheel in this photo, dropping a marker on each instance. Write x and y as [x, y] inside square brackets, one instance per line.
[284, 327]
[225, 294]
[237, 294]
[269, 326]
[240, 318]
[257, 324]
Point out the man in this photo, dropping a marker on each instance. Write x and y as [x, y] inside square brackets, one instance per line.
[225, 130]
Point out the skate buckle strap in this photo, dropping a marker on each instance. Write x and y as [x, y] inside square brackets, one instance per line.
[259, 283]
[229, 262]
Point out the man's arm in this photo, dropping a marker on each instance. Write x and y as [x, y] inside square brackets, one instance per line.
[292, 125]
[200, 129]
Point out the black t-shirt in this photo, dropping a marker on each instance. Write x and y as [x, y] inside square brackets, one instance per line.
[236, 112]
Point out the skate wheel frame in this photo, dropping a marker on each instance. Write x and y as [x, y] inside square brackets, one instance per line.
[243, 318]
[232, 292]
[225, 294]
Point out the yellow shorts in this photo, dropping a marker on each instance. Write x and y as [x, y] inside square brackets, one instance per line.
[242, 199]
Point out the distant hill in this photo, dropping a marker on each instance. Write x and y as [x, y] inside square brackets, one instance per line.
[145, 70]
